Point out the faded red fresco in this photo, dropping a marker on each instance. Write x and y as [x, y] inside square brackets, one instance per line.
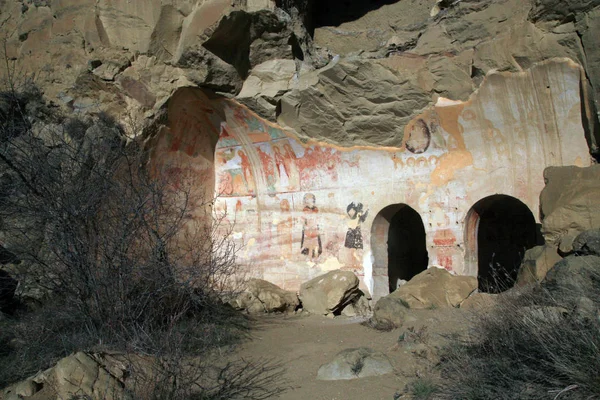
[444, 237]
[316, 161]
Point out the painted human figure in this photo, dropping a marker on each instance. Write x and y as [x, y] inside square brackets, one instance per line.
[281, 167]
[289, 161]
[246, 172]
[284, 229]
[225, 183]
[267, 167]
[311, 238]
[357, 216]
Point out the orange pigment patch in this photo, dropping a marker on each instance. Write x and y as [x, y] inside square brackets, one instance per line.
[449, 121]
[448, 164]
[259, 137]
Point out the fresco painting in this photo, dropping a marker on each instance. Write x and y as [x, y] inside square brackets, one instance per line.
[445, 242]
[301, 207]
[313, 227]
[225, 139]
[284, 228]
[311, 244]
[357, 216]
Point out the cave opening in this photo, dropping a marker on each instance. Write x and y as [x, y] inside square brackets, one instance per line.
[500, 229]
[398, 247]
[318, 14]
[407, 250]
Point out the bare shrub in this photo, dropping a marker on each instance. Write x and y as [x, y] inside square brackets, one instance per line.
[201, 379]
[129, 259]
[535, 344]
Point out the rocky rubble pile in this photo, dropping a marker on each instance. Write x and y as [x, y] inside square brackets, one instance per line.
[332, 293]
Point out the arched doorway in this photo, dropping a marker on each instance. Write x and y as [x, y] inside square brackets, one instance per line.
[499, 230]
[398, 245]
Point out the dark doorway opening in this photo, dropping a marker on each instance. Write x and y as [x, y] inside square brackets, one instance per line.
[504, 229]
[407, 249]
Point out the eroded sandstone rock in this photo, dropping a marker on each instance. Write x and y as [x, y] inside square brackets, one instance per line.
[573, 275]
[80, 374]
[352, 103]
[265, 86]
[588, 243]
[389, 312]
[477, 301]
[354, 364]
[260, 296]
[435, 288]
[536, 263]
[329, 293]
[570, 203]
[217, 43]
[359, 307]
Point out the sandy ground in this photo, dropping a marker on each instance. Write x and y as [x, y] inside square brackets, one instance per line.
[302, 343]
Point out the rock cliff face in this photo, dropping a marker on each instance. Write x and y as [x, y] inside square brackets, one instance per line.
[317, 122]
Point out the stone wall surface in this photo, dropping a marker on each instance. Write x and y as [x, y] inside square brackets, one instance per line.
[309, 121]
[404, 46]
[570, 204]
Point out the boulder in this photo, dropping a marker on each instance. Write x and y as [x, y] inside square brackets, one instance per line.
[389, 312]
[329, 293]
[479, 301]
[355, 363]
[25, 388]
[265, 86]
[536, 263]
[588, 243]
[349, 311]
[565, 246]
[559, 10]
[573, 276]
[108, 70]
[435, 288]
[80, 374]
[245, 39]
[362, 306]
[587, 309]
[569, 203]
[260, 296]
[359, 307]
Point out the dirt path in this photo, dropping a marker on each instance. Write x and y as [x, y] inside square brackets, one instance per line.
[303, 343]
